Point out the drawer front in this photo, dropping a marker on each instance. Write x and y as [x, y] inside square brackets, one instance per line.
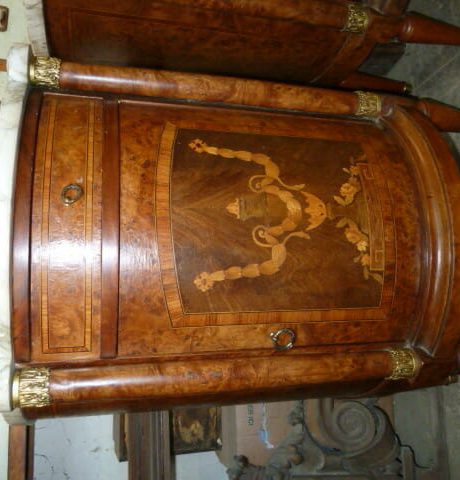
[66, 227]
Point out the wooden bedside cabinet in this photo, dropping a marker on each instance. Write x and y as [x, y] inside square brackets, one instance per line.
[322, 42]
[222, 240]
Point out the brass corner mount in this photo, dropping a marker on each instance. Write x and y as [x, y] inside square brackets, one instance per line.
[369, 104]
[45, 71]
[357, 19]
[31, 388]
[406, 364]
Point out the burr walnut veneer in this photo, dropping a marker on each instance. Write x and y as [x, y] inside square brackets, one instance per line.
[279, 241]
[323, 42]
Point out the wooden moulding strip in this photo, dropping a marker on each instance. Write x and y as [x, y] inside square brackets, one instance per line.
[21, 328]
[439, 333]
[206, 88]
[435, 299]
[110, 231]
[157, 385]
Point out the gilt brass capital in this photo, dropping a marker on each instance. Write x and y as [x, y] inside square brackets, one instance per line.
[357, 19]
[369, 104]
[45, 71]
[31, 388]
[406, 364]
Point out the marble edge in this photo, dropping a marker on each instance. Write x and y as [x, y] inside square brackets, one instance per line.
[11, 109]
[36, 28]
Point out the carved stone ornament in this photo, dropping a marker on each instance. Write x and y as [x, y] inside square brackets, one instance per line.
[350, 440]
[45, 71]
[31, 388]
[369, 104]
[406, 364]
[357, 20]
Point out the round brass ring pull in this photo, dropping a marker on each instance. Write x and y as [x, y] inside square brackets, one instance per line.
[71, 193]
[285, 335]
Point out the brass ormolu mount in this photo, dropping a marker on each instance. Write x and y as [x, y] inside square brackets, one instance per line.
[357, 19]
[369, 104]
[406, 364]
[45, 71]
[31, 388]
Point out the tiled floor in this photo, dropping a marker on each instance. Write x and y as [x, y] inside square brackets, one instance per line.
[429, 420]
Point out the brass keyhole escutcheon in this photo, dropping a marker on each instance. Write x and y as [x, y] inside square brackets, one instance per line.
[71, 193]
[283, 339]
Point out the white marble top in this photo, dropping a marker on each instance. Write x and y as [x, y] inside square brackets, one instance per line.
[36, 27]
[11, 107]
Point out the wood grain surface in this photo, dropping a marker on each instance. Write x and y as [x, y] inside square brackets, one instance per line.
[65, 281]
[205, 88]
[223, 226]
[21, 452]
[288, 41]
[134, 387]
[110, 230]
[21, 251]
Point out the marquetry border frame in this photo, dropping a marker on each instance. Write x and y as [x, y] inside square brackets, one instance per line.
[180, 318]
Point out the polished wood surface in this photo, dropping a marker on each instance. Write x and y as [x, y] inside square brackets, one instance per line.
[315, 12]
[388, 7]
[21, 452]
[317, 42]
[154, 386]
[438, 248]
[120, 424]
[110, 231]
[446, 118]
[420, 29]
[290, 41]
[359, 81]
[251, 93]
[232, 224]
[164, 264]
[213, 89]
[149, 452]
[21, 326]
[66, 238]
[442, 339]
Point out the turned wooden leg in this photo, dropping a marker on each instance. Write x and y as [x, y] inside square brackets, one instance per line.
[149, 452]
[21, 452]
[358, 81]
[416, 28]
[445, 117]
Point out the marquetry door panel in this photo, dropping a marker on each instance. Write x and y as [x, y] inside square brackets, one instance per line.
[246, 223]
